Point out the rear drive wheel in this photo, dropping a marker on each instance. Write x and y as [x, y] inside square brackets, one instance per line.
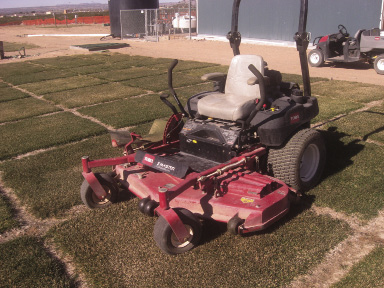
[315, 58]
[300, 162]
[89, 197]
[166, 239]
[379, 64]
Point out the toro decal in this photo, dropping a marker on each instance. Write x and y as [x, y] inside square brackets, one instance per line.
[294, 118]
[148, 159]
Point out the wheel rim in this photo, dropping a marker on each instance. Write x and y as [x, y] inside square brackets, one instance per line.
[105, 199]
[314, 58]
[176, 243]
[380, 65]
[309, 162]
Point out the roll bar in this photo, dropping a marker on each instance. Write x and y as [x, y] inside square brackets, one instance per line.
[301, 37]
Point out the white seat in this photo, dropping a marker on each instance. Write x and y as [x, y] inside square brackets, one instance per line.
[239, 98]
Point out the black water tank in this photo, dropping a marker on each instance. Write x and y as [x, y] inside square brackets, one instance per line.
[116, 5]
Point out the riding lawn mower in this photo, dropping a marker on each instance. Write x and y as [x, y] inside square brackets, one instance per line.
[239, 154]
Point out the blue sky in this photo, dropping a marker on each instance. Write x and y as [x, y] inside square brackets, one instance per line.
[34, 3]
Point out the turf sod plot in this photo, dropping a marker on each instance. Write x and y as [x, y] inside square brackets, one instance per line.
[115, 247]
[26, 263]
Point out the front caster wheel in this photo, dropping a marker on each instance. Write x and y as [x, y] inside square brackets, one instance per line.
[89, 197]
[167, 240]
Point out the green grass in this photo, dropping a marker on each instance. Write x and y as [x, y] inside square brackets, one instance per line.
[115, 247]
[93, 94]
[366, 125]
[44, 132]
[331, 107]
[20, 68]
[159, 83]
[61, 84]
[341, 97]
[7, 93]
[69, 62]
[26, 263]
[129, 112]
[24, 108]
[353, 177]
[7, 219]
[366, 273]
[12, 46]
[349, 91]
[128, 73]
[49, 183]
[32, 77]
[121, 246]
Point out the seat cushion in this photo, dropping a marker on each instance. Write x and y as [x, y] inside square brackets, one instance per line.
[225, 106]
[239, 98]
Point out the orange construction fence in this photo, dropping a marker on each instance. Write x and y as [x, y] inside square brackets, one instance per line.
[78, 20]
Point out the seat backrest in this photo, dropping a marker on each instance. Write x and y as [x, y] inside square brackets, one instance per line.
[238, 75]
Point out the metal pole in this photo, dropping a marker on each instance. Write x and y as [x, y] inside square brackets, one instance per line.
[190, 21]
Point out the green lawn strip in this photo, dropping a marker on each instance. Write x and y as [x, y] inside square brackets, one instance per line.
[48, 184]
[43, 132]
[8, 93]
[184, 65]
[296, 78]
[21, 69]
[126, 74]
[366, 273]
[26, 263]
[47, 74]
[68, 62]
[138, 61]
[12, 46]
[61, 84]
[129, 112]
[184, 93]
[211, 69]
[346, 91]
[93, 94]
[7, 219]
[353, 177]
[120, 250]
[367, 124]
[331, 107]
[24, 108]
[159, 83]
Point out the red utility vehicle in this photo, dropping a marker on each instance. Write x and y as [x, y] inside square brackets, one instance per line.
[238, 154]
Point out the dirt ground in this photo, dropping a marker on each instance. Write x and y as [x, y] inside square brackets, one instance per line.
[284, 59]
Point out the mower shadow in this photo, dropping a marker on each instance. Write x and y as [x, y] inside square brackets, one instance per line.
[339, 153]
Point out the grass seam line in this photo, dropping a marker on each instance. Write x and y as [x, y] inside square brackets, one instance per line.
[340, 260]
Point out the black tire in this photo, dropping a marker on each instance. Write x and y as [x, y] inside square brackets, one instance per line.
[315, 58]
[234, 224]
[90, 199]
[300, 162]
[149, 208]
[379, 64]
[142, 203]
[166, 239]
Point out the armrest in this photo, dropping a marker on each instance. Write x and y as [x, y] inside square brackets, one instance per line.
[217, 76]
